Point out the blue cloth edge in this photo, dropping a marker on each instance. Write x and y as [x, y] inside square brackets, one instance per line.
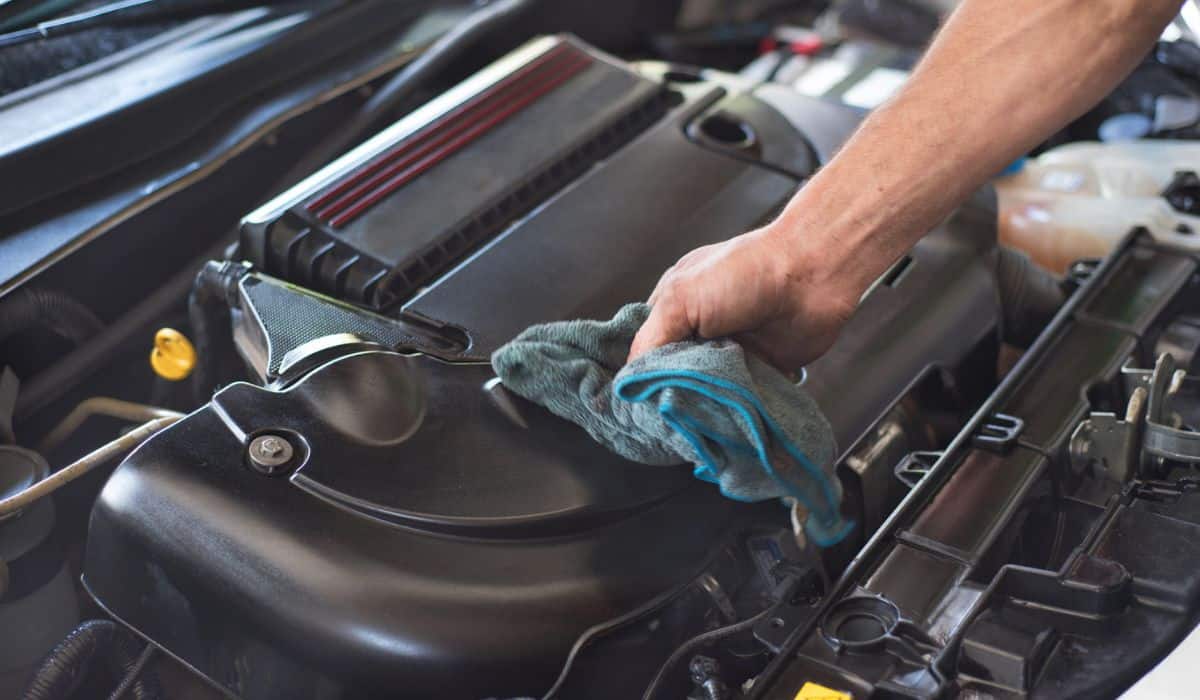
[824, 519]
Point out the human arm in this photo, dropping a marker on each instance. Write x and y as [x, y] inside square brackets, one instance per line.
[1000, 77]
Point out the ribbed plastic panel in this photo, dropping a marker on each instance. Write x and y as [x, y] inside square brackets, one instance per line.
[377, 231]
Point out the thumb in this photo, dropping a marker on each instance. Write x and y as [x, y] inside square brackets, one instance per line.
[668, 322]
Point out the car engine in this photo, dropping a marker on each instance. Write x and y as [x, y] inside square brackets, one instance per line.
[354, 506]
[443, 533]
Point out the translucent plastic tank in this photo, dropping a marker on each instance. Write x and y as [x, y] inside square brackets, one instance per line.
[1079, 200]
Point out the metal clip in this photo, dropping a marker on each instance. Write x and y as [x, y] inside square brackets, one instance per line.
[1162, 440]
[999, 432]
[1112, 444]
[915, 466]
[1149, 435]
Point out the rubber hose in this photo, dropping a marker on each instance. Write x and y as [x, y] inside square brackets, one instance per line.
[134, 674]
[1029, 296]
[52, 383]
[211, 326]
[65, 667]
[128, 654]
[34, 307]
[1183, 57]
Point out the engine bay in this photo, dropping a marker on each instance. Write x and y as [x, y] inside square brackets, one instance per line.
[327, 493]
[400, 442]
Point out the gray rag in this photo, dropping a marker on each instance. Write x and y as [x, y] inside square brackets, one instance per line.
[744, 425]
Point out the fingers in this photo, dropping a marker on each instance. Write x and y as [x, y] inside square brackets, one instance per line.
[670, 277]
[668, 323]
[661, 284]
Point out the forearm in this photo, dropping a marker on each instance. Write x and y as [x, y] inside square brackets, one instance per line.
[1001, 77]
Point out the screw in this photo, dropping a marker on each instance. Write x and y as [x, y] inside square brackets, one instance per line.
[703, 668]
[268, 452]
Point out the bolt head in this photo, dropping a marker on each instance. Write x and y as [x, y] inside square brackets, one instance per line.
[269, 452]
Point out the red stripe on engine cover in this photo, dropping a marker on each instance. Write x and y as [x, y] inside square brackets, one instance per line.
[463, 110]
[351, 197]
[403, 175]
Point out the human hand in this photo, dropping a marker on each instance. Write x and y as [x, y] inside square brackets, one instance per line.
[762, 289]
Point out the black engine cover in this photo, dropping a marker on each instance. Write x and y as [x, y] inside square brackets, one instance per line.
[427, 540]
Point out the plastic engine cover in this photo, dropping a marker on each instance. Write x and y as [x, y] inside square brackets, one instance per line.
[427, 539]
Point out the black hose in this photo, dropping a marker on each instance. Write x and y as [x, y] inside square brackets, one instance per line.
[134, 674]
[692, 645]
[211, 326]
[52, 383]
[65, 667]
[33, 307]
[405, 83]
[1029, 296]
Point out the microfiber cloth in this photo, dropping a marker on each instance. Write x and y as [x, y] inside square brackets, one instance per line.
[744, 425]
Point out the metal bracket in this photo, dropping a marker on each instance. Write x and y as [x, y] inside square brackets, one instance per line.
[1132, 377]
[915, 466]
[1108, 442]
[1172, 443]
[1149, 433]
[1163, 440]
[793, 611]
[999, 432]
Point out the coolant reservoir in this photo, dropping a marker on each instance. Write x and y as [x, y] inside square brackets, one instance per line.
[1079, 200]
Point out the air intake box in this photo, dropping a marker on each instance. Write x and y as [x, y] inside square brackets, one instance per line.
[385, 219]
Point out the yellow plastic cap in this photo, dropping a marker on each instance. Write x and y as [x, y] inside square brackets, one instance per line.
[173, 356]
[812, 691]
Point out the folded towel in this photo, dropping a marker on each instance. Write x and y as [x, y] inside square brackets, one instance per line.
[744, 425]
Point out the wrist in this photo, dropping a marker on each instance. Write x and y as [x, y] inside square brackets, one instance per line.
[845, 227]
[820, 262]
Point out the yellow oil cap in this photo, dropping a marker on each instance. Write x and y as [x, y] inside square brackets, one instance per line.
[812, 691]
[173, 356]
